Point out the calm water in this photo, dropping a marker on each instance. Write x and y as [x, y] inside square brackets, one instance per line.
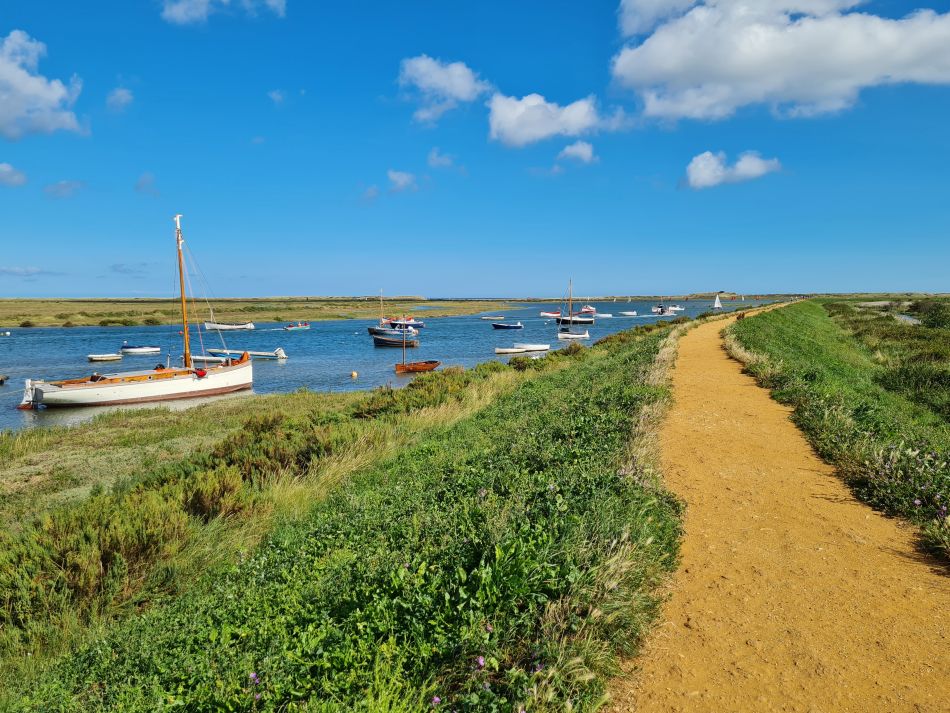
[320, 359]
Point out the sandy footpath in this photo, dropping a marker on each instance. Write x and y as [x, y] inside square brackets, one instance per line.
[791, 594]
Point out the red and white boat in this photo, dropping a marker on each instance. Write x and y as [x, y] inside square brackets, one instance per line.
[144, 386]
[551, 314]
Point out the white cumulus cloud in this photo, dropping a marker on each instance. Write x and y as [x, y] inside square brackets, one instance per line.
[441, 86]
[518, 122]
[580, 150]
[29, 102]
[187, 12]
[400, 181]
[9, 176]
[707, 59]
[710, 169]
[276, 95]
[119, 98]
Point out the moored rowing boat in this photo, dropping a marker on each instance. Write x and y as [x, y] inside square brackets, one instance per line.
[412, 367]
[104, 357]
[278, 353]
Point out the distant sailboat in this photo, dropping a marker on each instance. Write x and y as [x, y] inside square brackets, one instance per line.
[568, 332]
[717, 304]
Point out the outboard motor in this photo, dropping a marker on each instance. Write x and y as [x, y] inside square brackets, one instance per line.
[28, 401]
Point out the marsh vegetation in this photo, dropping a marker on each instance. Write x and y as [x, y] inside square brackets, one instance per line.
[483, 539]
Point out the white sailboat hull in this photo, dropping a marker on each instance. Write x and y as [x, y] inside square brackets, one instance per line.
[533, 347]
[220, 380]
[216, 326]
[572, 335]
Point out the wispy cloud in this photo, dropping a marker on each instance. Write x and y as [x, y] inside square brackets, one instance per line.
[401, 181]
[31, 103]
[29, 274]
[146, 184]
[119, 98]
[9, 176]
[709, 169]
[437, 159]
[63, 189]
[277, 96]
[190, 12]
[138, 269]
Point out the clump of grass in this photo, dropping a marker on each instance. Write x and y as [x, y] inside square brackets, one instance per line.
[82, 563]
[870, 396]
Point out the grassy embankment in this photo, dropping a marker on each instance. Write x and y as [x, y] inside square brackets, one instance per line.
[132, 312]
[871, 394]
[500, 558]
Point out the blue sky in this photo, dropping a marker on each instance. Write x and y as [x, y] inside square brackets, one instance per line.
[469, 149]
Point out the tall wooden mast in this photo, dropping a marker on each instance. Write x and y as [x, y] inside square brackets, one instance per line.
[184, 303]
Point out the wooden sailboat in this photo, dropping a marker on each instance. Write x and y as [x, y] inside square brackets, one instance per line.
[412, 367]
[158, 384]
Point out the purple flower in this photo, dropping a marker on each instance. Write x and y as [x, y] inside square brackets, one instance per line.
[257, 696]
[489, 628]
[917, 502]
[252, 676]
[480, 661]
[538, 667]
[436, 701]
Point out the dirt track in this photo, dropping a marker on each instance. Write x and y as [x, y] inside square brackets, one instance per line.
[791, 595]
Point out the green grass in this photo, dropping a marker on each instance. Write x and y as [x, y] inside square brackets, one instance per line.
[871, 394]
[502, 559]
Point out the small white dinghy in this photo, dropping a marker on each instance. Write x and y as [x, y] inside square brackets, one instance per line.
[533, 347]
[629, 314]
[131, 349]
[509, 350]
[573, 335]
[104, 357]
[601, 315]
